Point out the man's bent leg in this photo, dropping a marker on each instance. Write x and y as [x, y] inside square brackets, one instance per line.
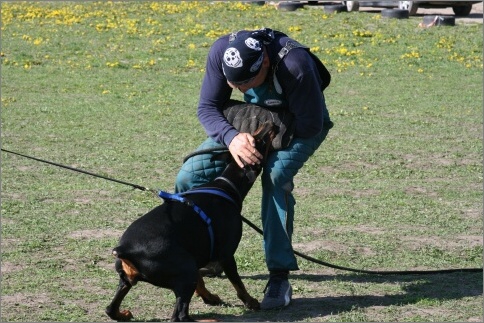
[278, 202]
[199, 169]
[278, 216]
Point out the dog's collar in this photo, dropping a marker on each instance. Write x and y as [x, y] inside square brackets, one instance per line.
[210, 190]
[233, 187]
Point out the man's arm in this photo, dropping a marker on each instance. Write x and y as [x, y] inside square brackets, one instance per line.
[214, 94]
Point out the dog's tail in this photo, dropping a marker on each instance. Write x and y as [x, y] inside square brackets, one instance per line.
[116, 252]
[121, 252]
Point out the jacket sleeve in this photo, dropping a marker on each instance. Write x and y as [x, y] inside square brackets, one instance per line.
[215, 92]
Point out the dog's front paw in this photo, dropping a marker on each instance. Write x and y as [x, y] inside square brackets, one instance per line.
[126, 315]
[211, 299]
[123, 316]
[252, 303]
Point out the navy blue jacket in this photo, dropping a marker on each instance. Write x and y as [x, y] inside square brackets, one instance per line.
[297, 74]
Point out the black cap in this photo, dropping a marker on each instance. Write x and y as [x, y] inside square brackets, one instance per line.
[243, 57]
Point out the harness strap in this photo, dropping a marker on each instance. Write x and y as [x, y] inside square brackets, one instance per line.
[290, 44]
[205, 218]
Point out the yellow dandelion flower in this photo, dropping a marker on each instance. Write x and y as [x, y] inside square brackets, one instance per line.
[190, 63]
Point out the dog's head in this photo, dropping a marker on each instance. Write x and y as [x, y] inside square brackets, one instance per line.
[241, 180]
[263, 139]
[264, 135]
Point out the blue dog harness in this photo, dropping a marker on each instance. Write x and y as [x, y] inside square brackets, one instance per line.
[205, 218]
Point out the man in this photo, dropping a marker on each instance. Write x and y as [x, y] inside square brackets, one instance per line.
[271, 70]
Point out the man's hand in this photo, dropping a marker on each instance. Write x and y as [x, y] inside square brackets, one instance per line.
[242, 148]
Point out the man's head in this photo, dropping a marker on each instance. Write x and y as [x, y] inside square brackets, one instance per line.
[243, 58]
[245, 62]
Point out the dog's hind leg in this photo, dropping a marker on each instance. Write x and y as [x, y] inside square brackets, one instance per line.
[207, 297]
[113, 309]
[125, 284]
[230, 269]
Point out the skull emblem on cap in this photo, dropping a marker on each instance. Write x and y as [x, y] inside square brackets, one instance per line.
[253, 43]
[232, 57]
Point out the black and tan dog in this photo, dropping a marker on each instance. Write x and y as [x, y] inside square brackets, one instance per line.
[167, 246]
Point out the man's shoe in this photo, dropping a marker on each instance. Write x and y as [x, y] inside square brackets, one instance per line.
[278, 292]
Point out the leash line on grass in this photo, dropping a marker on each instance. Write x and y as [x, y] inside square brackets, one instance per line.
[373, 272]
[257, 229]
[81, 171]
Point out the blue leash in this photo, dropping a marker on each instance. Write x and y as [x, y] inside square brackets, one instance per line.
[205, 218]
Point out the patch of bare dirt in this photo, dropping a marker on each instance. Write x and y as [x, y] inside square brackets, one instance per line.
[361, 228]
[95, 234]
[318, 245]
[8, 267]
[27, 300]
[413, 242]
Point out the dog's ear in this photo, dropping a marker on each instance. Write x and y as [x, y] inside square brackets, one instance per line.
[225, 156]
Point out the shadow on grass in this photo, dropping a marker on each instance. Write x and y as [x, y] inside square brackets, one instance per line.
[415, 288]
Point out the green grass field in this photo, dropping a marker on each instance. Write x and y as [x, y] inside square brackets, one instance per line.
[112, 88]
